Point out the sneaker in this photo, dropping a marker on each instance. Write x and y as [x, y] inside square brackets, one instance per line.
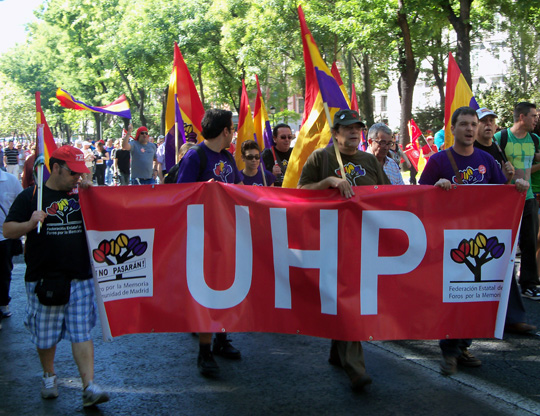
[531, 293]
[206, 364]
[49, 386]
[93, 395]
[225, 349]
[5, 311]
[466, 359]
[448, 365]
[359, 382]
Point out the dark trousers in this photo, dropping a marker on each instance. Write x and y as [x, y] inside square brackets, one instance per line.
[454, 347]
[6, 266]
[528, 275]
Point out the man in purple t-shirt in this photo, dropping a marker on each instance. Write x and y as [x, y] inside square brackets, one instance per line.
[472, 166]
[217, 130]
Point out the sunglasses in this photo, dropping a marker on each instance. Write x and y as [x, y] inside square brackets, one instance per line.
[143, 132]
[251, 157]
[286, 137]
[70, 171]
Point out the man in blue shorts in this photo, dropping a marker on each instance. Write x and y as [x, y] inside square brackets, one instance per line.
[58, 278]
[210, 161]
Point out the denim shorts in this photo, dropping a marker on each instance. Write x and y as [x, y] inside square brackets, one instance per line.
[72, 322]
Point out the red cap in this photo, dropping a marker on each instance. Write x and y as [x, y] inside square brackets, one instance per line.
[142, 128]
[101, 141]
[73, 157]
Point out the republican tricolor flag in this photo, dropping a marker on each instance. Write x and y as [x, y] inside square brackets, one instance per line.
[246, 128]
[119, 107]
[263, 130]
[321, 88]
[458, 94]
[45, 144]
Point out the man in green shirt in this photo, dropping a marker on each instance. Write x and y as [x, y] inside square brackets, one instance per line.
[521, 151]
[322, 171]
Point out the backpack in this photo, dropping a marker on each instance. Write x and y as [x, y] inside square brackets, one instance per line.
[172, 176]
[504, 140]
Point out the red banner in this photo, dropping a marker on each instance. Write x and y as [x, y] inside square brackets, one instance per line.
[393, 262]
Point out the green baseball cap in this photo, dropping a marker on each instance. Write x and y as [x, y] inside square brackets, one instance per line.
[346, 118]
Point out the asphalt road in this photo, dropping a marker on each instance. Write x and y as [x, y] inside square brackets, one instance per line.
[156, 374]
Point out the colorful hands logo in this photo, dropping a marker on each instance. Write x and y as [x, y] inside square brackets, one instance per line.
[352, 172]
[480, 249]
[121, 249]
[470, 176]
[63, 208]
[222, 170]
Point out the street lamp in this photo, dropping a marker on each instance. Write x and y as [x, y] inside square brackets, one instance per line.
[273, 112]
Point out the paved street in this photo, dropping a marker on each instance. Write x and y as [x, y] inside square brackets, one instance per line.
[155, 374]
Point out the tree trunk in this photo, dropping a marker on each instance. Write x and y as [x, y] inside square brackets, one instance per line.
[462, 27]
[366, 102]
[142, 97]
[97, 119]
[164, 99]
[408, 74]
[200, 79]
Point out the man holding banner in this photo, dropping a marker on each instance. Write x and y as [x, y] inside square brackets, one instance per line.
[322, 171]
[463, 164]
[210, 161]
[58, 279]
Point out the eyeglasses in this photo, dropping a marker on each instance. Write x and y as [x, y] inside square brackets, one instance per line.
[143, 132]
[251, 157]
[70, 171]
[286, 137]
[383, 143]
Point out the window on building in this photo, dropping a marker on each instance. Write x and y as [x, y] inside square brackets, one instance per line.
[384, 100]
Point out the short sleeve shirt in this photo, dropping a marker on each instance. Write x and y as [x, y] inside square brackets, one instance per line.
[478, 168]
[257, 179]
[360, 169]
[220, 166]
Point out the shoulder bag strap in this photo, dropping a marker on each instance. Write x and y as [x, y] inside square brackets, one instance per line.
[454, 166]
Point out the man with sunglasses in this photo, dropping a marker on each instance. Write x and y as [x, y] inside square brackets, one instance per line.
[143, 156]
[277, 157]
[380, 140]
[58, 255]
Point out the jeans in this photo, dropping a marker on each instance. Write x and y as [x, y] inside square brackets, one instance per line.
[140, 181]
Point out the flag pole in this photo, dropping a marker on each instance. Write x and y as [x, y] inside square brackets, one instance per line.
[338, 154]
[39, 159]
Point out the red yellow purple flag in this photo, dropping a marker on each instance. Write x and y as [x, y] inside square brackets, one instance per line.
[315, 130]
[48, 145]
[189, 102]
[458, 94]
[119, 107]
[246, 128]
[263, 131]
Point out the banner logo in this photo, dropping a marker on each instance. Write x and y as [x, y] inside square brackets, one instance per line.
[63, 208]
[470, 264]
[123, 263]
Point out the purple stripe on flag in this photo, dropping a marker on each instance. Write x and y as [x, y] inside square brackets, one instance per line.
[267, 135]
[473, 103]
[330, 91]
[170, 148]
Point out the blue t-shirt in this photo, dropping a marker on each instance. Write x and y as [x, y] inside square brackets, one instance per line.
[478, 168]
[257, 179]
[219, 166]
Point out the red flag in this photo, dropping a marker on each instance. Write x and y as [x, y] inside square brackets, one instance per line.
[246, 128]
[414, 131]
[49, 144]
[354, 100]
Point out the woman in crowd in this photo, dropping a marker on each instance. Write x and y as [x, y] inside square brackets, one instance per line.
[253, 172]
[102, 156]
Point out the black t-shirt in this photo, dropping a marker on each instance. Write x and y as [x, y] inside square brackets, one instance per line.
[61, 245]
[123, 157]
[493, 150]
[282, 159]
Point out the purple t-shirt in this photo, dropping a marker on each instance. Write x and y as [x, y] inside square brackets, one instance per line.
[219, 166]
[478, 168]
[257, 179]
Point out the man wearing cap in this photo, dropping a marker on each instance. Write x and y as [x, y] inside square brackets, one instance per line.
[143, 156]
[465, 165]
[379, 141]
[11, 159]
[322, 171]
[57, 260]
[521, 150]
[276, 159]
